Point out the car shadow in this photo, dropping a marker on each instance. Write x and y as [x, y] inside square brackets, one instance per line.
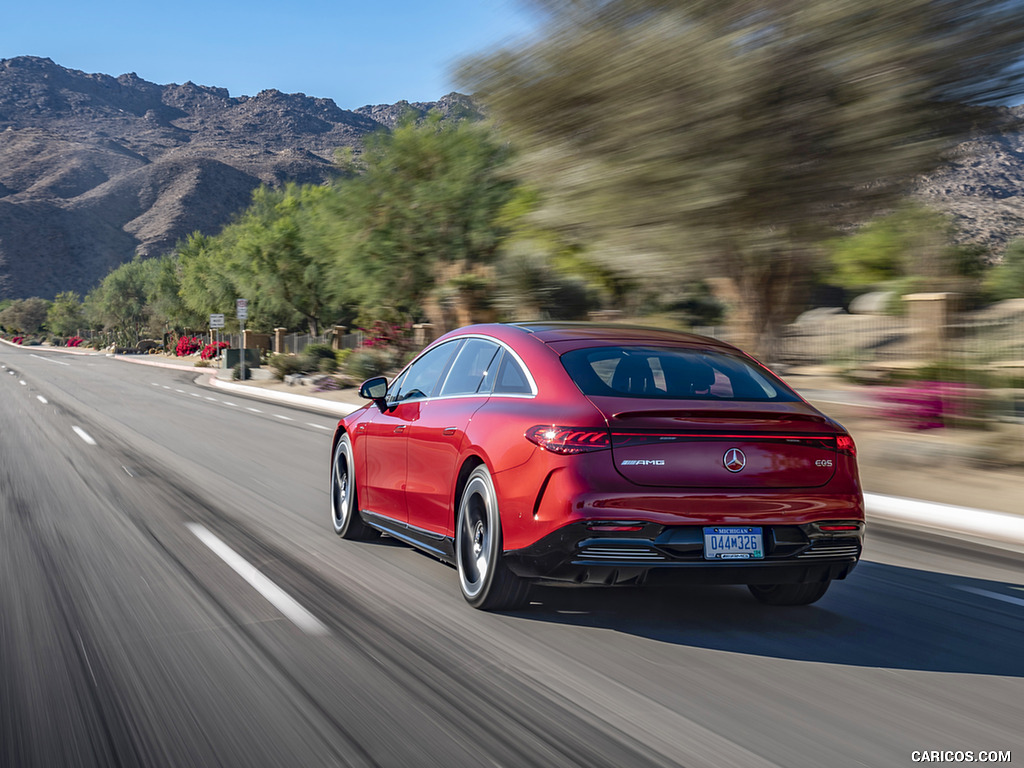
[881, 616]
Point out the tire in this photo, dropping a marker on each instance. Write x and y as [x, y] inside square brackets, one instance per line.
[486, 582]
[789, 594]
[344, 501]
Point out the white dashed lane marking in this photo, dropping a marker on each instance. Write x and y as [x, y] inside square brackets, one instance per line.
[84, 435]
[280, 599]
[41, 399]
[236, 405]
[994, 595]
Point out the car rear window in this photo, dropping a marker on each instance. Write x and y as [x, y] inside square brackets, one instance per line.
[671, 373]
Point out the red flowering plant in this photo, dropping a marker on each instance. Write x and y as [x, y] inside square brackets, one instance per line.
[17, 339]
[210, 351]
[188, 345]
[75, 341]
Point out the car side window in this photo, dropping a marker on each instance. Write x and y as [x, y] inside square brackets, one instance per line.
[422, 377]
[394, 389]
[466, 374]
[511, 379]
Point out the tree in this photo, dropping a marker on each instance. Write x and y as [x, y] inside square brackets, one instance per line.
[725, 138]
[911, 242]
[65, 316]
[419, 220]
[168, 310]
[25, 315]
[118, 304]
[1006, 279]
[205, 286]
[269, 258]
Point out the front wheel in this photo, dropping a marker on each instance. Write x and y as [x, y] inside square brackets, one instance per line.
[485, 580]
[344, 503]
[789, 594]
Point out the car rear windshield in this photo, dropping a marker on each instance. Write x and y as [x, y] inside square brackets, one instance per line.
[671, 373]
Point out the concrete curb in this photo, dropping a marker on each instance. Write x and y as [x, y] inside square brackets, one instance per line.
[995, 527]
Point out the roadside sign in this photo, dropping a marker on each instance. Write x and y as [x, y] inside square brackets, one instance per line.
[241, 308]
[216, 321]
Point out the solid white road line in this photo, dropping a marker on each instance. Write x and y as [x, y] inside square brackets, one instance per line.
[84, 435]
[298, 615]
[50, 360]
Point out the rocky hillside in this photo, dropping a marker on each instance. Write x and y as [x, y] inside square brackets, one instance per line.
[982, 186]
[94, 169]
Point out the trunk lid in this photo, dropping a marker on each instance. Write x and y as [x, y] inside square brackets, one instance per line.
[707, 444]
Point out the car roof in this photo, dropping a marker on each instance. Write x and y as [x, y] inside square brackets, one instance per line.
[557, 332]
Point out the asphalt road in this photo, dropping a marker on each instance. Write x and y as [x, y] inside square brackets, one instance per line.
[127, 638]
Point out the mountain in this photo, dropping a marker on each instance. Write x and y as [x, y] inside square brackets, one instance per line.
[94, 169]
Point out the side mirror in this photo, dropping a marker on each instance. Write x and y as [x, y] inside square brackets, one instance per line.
[375, 389]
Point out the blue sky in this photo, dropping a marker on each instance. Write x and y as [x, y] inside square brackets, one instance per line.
[356, 53]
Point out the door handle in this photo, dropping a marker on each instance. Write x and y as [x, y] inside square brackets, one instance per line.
[400, 427]
[450, 430]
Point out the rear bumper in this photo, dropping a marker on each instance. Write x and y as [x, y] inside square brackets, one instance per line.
[675, 554]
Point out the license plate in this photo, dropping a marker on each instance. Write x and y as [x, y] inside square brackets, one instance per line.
[733, 543]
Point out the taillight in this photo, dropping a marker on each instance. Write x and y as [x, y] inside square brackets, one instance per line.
[838, 527]
[569, 440]
[844, 444]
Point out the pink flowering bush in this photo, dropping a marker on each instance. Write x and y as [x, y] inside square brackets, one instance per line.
[210, 351]
[384, 335]
[188, 345]
[75, 341]
[17, 339]
[932, 404]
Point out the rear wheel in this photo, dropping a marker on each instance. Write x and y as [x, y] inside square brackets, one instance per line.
[485, 580]
[789, 594]
[344, 503]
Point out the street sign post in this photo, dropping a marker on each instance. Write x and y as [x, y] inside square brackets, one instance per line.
[216, 323]
[242, 312]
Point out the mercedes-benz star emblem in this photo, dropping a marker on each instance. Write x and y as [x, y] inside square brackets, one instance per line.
[735, 460]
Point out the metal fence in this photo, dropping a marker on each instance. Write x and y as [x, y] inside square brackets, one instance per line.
[833, 337]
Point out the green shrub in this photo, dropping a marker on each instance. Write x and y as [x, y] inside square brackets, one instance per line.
[327, 365]
[236, 372]
[314, 355]
[284, 365]
[367, 362]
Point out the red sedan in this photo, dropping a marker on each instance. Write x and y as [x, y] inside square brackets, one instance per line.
[600, 454]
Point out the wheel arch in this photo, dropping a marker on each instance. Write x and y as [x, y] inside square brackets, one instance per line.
[470, 463]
